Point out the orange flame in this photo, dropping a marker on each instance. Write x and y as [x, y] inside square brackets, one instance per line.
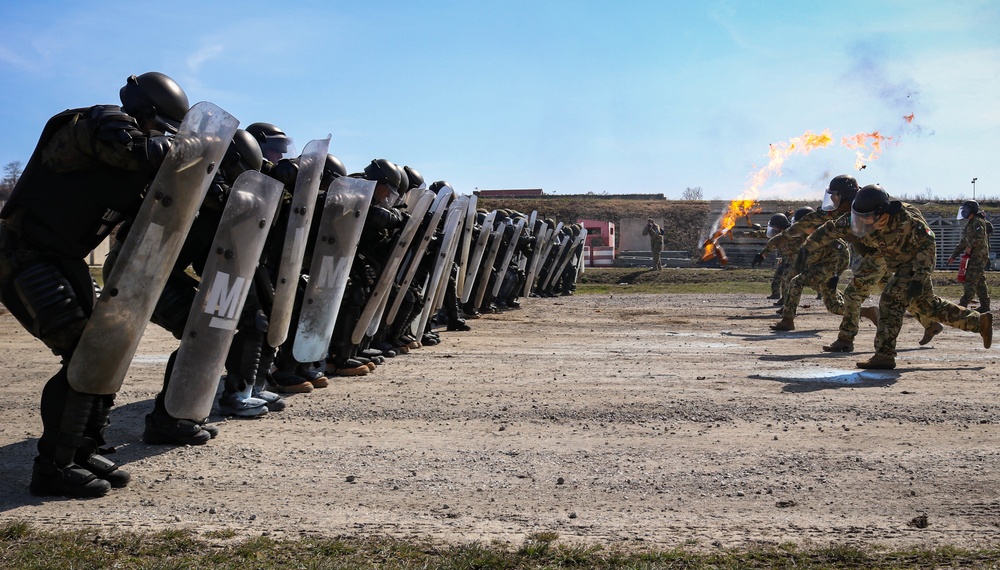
[746, 203]
[860, 142]
[909, 118]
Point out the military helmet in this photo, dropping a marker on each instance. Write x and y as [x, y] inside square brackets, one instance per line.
[840, 193]
[154, 96]
[242, 155]
[274, 143]
[968, 208]
[416, 179]
[439, 184]
[381, 170]
[332, 168]
[801, 213]
[404, 180]
[871, 202]
[776, 224]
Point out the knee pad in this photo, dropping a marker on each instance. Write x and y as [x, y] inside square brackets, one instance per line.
[57, 316]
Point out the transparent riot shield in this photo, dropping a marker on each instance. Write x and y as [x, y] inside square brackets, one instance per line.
[311, 163]
[388, 276]
[484, 279]
[225, 283]
[508, 254]
[113, 332]
[533, 259]
[344, 216]
[466, 245]
[569, 246]
[477, 257]
[434, 295]
[438, 209]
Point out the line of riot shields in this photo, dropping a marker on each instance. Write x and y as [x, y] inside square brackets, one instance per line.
[292, 271]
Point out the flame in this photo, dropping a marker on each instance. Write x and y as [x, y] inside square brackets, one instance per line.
[909, 118]
[860, 143]
[746, 203]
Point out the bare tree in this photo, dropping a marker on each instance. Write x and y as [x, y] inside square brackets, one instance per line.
[692, 193]
[11, 173]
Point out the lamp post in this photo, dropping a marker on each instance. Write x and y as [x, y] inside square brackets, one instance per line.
[974, 188]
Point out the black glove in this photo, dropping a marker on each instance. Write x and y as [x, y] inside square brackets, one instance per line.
[285, 172]
[915, 289]
[157, 149]
[757, 260]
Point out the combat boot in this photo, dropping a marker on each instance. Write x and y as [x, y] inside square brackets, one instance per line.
[779, 302]
[242, 405]
[870, 313]
[839, 345]
[785, 324]
[51, 480]
[774, 296]
[166, 430]
[878, 362]
[986, 329]
[930, 332]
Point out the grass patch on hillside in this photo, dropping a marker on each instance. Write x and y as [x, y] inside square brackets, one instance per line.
[22, 546]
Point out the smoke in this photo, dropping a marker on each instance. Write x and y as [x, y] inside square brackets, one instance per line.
[900, 95]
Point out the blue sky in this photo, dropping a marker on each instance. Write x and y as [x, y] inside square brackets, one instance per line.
[567, 96]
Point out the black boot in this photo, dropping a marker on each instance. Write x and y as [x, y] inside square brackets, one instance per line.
[91, 457]
[54, 472]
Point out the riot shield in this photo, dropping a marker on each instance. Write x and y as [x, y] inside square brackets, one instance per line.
[388, 276]
[311, 163]
[344, 216]
[477, 256]
[508, 254]
[533, 263]
[567, 254]
[463, 258]
[522, 262]
[554, 270]
[444, 260]
[225, 283]
[438, 209]
[113, 332]
[484, 278]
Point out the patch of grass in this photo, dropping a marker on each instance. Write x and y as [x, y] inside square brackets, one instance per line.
[22, 546]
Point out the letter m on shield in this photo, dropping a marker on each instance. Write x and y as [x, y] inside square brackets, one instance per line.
[223, 301]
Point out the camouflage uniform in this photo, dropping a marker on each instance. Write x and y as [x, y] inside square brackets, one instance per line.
[823, 270]
[907, 245]
[787, 247]
[871, 273]
[655, 234]
[976, 242]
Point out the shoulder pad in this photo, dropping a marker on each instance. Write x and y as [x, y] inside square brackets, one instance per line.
[109, 123]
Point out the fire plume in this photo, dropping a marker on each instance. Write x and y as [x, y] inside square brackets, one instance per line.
[860, 144]
[908, 118]
[746, 203]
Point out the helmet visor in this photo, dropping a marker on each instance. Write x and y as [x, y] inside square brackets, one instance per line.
[773, 231]
[830, 202]
[277, 147]
[385, 195]
[863, 224]
[964, 212]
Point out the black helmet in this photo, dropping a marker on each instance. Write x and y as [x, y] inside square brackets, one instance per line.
[416, 180]
[243, 154]
[840, 194]
[154, 96]
[801, 213]
[435, 186]
[381, 170]
[969, 208]
[274, 143]
[404, 181]
[870, 203]
[332, 168]
[776, 224]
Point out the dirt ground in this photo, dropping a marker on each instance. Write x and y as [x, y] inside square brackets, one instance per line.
[647, 420]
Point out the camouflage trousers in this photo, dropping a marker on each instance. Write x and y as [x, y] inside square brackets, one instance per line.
[821, 277]
[778, 280]
[869, 276]
[915, 292]
[975, 285]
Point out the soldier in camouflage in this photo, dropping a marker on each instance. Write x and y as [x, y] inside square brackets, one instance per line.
[786, 252]
[904, 239]
[976, 243]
